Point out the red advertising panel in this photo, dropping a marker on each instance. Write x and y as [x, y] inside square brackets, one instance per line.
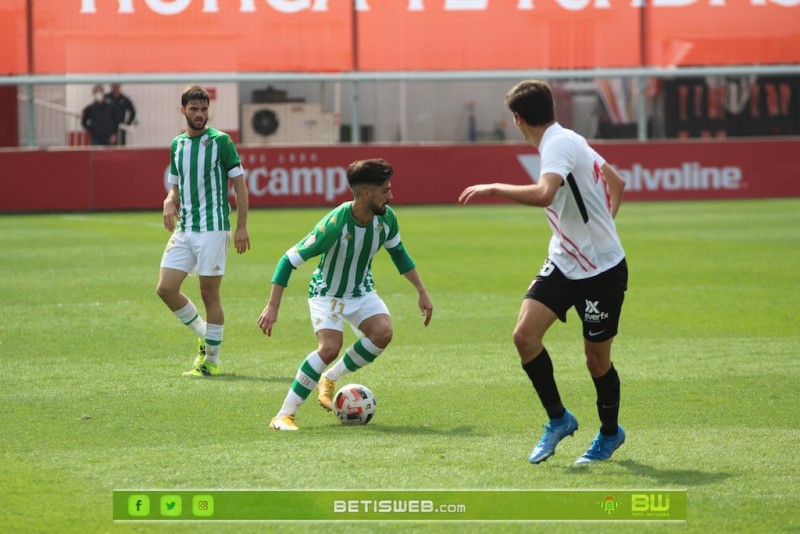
[133, 36]
[315, 176]
[498, 34]
[33, 180]
[13, 37]
[722, 32]
[82, 36]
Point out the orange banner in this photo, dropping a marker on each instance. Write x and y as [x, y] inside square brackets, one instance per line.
[723, 32]
[13, 37]
[151, 36]
[79, 36]
[498, 34]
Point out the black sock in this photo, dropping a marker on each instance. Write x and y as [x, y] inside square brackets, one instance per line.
[540, 371]
[607, 387]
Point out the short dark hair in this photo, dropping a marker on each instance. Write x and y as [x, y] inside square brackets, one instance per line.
[194, 92]
[533, 101]
[369, 172]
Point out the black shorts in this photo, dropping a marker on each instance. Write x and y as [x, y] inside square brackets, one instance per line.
[598, 300]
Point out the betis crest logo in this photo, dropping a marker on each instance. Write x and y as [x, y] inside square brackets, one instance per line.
[609, 504]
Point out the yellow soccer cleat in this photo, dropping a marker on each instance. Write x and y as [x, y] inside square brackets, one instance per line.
[201, 352]
[206, 368]
[287, 422]
[325, 389]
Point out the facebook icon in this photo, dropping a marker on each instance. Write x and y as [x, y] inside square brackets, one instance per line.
[138, 505]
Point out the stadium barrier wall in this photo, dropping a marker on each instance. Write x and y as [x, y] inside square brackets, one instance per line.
[133, 179]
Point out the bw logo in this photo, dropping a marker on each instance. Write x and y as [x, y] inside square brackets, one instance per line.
[653, 502]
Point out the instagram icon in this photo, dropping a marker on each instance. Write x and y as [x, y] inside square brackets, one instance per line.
[203, 505]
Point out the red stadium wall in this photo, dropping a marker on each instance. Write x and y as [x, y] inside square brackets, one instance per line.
[122, 179]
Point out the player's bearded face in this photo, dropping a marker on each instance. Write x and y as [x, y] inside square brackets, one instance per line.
[196, 114]
[379, 198]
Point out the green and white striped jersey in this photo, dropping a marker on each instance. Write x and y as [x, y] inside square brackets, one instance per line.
[200, 167]
[347, 248]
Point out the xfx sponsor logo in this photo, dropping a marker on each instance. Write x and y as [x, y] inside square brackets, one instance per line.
[592, 312]
[690, 176]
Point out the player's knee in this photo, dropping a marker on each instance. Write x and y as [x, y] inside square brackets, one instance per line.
[522, 340]
[209, 296]
[165, 292]
[328, 353]
[597, 365]
[382, 337]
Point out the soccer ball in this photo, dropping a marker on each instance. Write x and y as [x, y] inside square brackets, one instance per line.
[354, 404]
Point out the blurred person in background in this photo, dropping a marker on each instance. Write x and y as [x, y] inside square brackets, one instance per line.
[99, 119]
[125, 112]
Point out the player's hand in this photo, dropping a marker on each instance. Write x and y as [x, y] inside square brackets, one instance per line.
[242, 240]
[426, 307]
[480, 190]
[268, 319]
[170, 214]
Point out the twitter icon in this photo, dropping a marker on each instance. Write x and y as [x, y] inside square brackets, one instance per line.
[171, 505]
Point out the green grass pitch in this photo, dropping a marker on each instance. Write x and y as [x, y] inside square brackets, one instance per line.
[93, 399]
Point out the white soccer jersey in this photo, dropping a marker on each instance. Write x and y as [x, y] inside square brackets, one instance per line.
[585, 241]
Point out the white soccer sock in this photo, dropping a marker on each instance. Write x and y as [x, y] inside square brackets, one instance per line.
[213, 341]
[362, 352]
[188, 315]
[307, 377]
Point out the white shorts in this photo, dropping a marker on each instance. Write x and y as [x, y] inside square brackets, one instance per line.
[332, 312]
[202, 253]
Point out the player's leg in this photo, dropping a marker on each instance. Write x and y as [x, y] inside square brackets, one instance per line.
[607, 385]
[177, 262]
[211, 249]
[210, 287]
[330, 343]
[602, 297]
[534, 320]
[544, 302]
[372, 318]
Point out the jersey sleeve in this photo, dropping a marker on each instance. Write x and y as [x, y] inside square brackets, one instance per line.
[392, 229]
[173, 177]
[317, 241]
[597, 157]
[230, 158]
[394, 245]
[559, 158]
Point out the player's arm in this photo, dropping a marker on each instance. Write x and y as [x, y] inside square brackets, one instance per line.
[171, 204]
[241, 238]
[405, 266]
[269, 316]
[616, 187]
[312, 245]
[539, 194]
[424, 301]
